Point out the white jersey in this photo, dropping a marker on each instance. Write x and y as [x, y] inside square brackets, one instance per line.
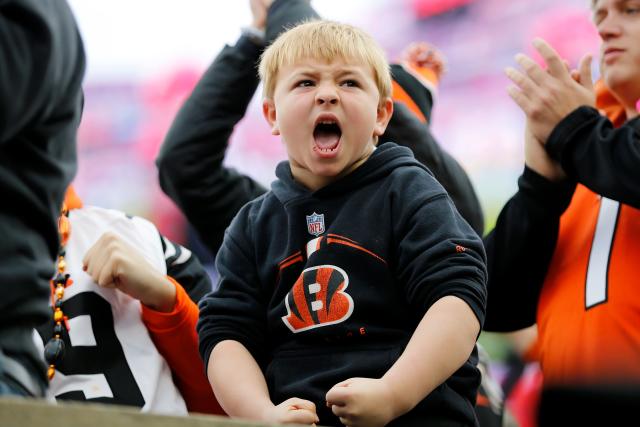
[109, 355]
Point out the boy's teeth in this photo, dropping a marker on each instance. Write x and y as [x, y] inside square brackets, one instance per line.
[327, 135]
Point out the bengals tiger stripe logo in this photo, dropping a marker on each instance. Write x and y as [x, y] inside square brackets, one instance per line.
[318, 299]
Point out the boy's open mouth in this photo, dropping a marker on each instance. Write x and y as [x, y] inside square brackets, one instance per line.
[327, 135]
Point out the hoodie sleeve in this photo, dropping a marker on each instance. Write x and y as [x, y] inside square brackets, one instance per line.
[602, 158]
[438, 252]
[237, 309]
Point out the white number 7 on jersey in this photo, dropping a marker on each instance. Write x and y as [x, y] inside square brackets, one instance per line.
[598, 268]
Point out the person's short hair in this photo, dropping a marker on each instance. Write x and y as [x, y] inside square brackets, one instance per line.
[325, 41]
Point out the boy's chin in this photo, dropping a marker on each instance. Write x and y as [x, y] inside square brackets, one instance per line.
[325, 171]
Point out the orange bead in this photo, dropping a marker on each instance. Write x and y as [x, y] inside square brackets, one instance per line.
[64, 228]
[61, 265]
[59, 292]
[58, 315]
[51, 372]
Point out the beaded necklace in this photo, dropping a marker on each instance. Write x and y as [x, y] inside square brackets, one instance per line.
[54, 349]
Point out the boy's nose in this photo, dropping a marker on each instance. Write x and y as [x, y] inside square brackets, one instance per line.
[326, 96]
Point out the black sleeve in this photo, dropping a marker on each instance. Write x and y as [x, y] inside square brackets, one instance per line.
[284, 14]
[237, 309]
[406, 129]
[519, 250]
[186, 269]
[190, 162]
[604, 159]
[41, 62]
[419, 94]
[438, 253]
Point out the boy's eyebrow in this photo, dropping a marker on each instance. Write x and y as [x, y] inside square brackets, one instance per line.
[303, 73]
[312, 72]
[347, 70]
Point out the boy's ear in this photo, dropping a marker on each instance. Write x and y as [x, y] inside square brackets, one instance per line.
[385, 110]
[269, 112]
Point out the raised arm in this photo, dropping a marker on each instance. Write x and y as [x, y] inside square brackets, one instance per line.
[190, 162]
[520, 247]
[559, 108]
[191, 159]
[414, 83]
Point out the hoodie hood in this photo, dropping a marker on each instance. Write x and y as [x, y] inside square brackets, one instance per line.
[382, 162]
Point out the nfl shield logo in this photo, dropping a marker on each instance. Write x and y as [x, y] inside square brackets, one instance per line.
[315, 224]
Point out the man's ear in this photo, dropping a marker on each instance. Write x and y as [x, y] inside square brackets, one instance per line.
[269, 112]
[385, 110]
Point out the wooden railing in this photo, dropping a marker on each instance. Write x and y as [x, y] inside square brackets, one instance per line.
[39, 413]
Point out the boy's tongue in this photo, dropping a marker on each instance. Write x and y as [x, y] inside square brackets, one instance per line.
[326, 139]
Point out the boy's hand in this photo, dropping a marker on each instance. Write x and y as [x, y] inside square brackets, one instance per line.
[292, 411]
[537, 159]
[112, 263]
[548, 96]
[360, 402]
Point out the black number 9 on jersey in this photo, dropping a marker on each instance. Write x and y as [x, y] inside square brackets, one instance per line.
[101, 368]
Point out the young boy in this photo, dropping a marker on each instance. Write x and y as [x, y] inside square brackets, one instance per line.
[352, 292]
[191, 163]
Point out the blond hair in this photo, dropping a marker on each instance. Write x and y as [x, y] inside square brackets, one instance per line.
[326, 41]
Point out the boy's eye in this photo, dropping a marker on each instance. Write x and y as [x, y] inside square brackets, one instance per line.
[304, 83]
[631, 10]
[350, 83]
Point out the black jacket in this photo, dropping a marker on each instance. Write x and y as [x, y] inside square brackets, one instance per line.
[603, 159]
[390, 243]
[520, 248]
[42, 64]
[190, 162]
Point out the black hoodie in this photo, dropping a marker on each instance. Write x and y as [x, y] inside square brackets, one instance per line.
[327, 285]
[42, 63]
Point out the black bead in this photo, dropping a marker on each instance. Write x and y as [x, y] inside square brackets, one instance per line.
[54, 351]
[57, 329]
[59, 303]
